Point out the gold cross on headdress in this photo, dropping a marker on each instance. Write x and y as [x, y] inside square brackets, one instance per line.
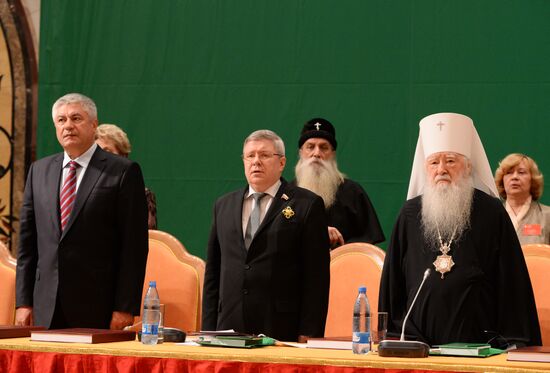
[317, 125]
[440, 124]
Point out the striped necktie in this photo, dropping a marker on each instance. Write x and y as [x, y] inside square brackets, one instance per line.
[68, 194]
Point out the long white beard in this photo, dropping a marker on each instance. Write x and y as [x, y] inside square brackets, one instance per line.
[446, 209]
[319, 176]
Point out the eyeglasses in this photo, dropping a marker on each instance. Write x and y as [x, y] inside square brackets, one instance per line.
[263, 156]
[498, 341]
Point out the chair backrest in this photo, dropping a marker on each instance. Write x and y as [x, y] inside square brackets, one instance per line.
[351, 266]
[179, 276]
[7, 286]
[537, 257]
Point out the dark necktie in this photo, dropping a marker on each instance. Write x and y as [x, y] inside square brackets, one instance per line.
[68, 194]
[253, 220]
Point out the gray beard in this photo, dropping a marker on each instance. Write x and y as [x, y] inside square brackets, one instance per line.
[446, 209]
[319, 176]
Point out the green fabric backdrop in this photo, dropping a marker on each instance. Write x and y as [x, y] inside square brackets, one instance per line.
[190, 79]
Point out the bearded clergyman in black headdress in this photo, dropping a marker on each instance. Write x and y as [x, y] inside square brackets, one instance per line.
[351, 215]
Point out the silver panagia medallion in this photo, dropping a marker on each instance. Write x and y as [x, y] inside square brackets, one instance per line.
[443, 264]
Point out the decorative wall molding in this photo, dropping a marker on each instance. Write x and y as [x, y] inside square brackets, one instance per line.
[18, 106]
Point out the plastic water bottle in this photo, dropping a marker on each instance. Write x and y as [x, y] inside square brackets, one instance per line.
[361, 323]
[151, 316]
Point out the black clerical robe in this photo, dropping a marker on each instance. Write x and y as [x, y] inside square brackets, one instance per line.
[488, 289]
[353, 215]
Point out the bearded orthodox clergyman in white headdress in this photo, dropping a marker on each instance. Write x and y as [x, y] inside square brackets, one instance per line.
[452, 223]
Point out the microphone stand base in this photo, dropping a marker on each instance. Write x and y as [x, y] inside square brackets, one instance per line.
[390, 348]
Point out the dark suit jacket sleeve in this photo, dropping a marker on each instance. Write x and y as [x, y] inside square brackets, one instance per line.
[27, 255]
[132, 224]
[316, 271]
[210, 296]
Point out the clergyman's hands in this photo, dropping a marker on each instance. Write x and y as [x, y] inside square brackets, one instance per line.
[336, 238]
[121, 319]
[23, 316]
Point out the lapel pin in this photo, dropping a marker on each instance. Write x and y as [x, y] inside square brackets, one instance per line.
[285, 197]
[287, 212]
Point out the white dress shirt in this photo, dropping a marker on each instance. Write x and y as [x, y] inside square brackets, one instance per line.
[265, 202]
[83, 160]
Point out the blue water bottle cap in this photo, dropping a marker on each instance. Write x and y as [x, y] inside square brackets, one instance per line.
[152, 284]
[363, 289]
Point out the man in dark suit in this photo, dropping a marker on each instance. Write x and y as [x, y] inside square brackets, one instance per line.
[267, 269]
[83, 244]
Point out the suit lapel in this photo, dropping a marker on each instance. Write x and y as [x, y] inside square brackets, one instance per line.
[94, 170]
[238, 217]
[53, 184]
[276, 206]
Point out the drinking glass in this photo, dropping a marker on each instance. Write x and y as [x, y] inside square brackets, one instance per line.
[379, 328]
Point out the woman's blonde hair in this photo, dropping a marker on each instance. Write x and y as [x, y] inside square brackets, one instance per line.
[111, 132]
[511, 161]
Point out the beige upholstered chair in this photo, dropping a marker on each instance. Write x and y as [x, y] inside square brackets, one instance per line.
[537, 258]
[351, 266]
[179, 276]
[7, 286]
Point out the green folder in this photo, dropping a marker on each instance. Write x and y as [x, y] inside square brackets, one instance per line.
[235, 341]
[465, 349]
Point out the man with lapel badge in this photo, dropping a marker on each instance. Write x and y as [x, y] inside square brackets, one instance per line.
[83, 237]
[268, 256]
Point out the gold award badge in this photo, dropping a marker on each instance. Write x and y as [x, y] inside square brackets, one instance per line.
[288, 212]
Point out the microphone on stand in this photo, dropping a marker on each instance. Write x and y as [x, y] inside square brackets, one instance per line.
[403, 348]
